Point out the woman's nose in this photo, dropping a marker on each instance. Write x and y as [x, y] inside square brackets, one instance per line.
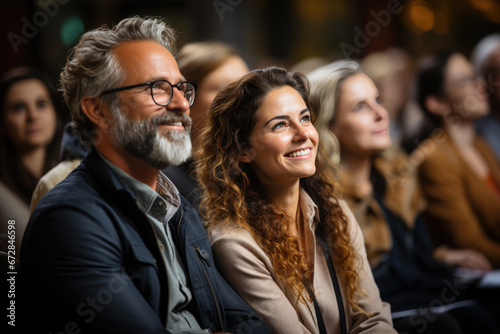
[302, 133]
[380, 112]
[32, 112]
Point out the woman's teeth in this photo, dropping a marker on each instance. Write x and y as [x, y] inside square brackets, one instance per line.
[299, 153]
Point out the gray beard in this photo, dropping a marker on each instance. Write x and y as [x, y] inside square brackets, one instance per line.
[143, 140]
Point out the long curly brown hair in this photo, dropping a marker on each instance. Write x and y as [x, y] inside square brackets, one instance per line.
[233, 194]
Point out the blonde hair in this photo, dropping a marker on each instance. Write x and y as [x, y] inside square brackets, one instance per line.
[325, 85]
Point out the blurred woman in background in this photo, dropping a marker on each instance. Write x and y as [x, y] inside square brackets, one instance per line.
[30, 130]
[386, 200]
[210, 66]
[459, 173]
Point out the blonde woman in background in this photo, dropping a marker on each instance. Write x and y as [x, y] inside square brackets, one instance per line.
[384, 195]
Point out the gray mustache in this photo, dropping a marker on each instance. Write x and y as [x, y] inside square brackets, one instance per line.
[170, 117]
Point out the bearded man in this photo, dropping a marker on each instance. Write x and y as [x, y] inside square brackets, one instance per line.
[114, 248]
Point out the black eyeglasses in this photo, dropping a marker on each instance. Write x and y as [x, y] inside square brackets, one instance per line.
[162, 91]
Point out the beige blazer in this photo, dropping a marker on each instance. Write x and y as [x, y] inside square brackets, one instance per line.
[463, 211]
[12, 207]
[249, 271]
[51, 179]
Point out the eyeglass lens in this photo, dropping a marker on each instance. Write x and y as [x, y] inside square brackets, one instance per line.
[162, 92]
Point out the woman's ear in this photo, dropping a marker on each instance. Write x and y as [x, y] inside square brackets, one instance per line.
[245, 154]
[97, 112]
[245, 157]
[436, 105]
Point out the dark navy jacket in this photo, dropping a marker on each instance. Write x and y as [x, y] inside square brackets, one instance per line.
[90, 262]
[182, 177]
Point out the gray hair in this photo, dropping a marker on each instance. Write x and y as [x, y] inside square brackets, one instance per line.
[482, 52]
[92, 68]
[325, 83]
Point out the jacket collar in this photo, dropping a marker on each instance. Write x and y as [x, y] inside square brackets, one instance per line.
[104, 175]
[309, 208]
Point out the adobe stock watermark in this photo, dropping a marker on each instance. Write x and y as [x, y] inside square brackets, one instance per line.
[363, 38]
[222, 6]
[88, 309]
[48, 8]
[449, 295]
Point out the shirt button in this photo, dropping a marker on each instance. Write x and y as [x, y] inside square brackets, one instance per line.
[161, 203]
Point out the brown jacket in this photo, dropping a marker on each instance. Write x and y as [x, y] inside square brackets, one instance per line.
[463, 211]
[250, 272]
[403, 198]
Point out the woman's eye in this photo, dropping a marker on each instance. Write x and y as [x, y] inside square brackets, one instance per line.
[18, 107]
[360, 106]
[306, 118]
[41, 104]
[378, 100]
[279, 125]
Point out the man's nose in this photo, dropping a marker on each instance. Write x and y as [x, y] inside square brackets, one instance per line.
[178, 103]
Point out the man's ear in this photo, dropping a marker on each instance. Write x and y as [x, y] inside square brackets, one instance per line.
[97, 112]
[436, 105]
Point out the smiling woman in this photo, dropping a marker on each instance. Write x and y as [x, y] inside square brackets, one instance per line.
[289, 140]
[276, 229]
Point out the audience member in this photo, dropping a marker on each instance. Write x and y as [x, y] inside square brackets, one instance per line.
[114, 248]
[210, 66]
[386, 202]
[458, 170]
[392, 71]
[486, 61]
[30, 132]
[289, 248]
[73, 149]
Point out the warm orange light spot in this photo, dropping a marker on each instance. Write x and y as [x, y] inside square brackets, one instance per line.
[317, 10]
[482, 5]
[493, 14]
[421, 16]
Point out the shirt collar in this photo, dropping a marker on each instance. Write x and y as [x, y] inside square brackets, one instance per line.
[155, 203]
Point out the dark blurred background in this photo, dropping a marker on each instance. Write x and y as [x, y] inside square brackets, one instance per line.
[39, 33]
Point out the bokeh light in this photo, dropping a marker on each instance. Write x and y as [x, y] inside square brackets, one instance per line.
[494, 13]
[421, 17]
[71, 30]
[482, 5]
